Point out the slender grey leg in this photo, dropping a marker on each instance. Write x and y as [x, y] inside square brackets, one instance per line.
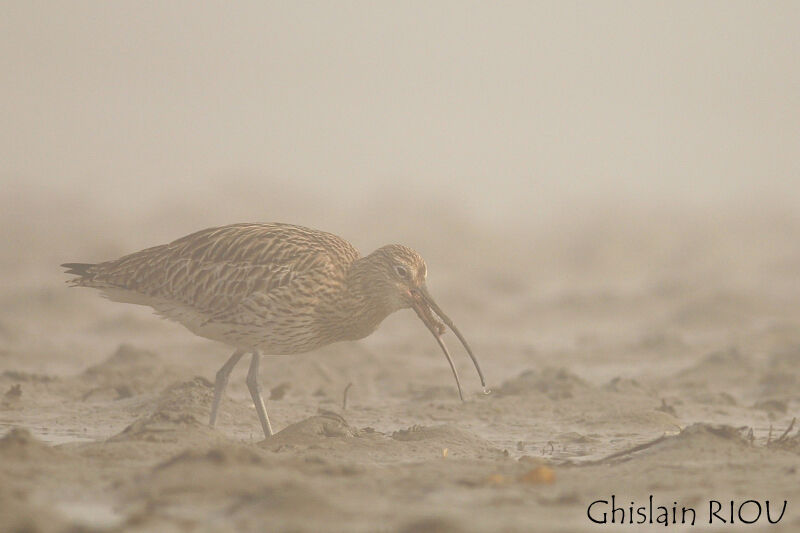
[255, 392]
[222, 382]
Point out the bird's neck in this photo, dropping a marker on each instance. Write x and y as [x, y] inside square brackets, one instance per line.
[362, 305]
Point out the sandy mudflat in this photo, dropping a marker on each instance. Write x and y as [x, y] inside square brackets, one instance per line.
[632, 358]
[607, 195]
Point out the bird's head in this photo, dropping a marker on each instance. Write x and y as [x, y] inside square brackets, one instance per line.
[397, 275]
[399, 272]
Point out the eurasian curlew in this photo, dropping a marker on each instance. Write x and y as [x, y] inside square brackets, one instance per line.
[271, 288]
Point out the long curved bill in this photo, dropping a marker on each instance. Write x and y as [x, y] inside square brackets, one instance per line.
[425, 307]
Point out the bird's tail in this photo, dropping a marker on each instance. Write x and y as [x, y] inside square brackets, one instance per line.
[79, 269]
[84, 271]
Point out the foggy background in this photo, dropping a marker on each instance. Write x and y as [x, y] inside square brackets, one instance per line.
[128, 124]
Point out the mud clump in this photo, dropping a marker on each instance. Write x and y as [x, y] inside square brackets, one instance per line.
[717, 372]
[20, 445]
[188, 397]
[456, 441]
[311, 431]
[781, 380]
[625, 386]
[223, 456]
[697, 440]
[160, 427]
[11, 396]
[178, 414]
[127, 372]
[238, 480]
[555, 383]
[701, 432]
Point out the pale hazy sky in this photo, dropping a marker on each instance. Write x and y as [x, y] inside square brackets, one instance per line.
[506, 104]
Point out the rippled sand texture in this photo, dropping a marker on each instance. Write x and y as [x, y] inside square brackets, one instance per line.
[606, 195]
[627, 354]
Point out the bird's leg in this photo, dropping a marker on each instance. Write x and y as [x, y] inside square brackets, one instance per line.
[255, 391]
[221, 382]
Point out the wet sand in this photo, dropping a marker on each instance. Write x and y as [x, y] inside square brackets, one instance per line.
[637, 354]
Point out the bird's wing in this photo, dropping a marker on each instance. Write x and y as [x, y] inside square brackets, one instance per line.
[216, 270]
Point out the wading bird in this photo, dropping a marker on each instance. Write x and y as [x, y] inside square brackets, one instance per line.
[278, 289]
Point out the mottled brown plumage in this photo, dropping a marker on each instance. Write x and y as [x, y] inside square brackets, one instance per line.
[272, 288]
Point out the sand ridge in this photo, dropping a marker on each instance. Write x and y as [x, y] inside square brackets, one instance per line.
[680, 383]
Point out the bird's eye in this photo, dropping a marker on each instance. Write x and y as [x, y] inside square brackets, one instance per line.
[401, 271]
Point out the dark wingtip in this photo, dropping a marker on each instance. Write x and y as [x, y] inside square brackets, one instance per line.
[79, 269]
